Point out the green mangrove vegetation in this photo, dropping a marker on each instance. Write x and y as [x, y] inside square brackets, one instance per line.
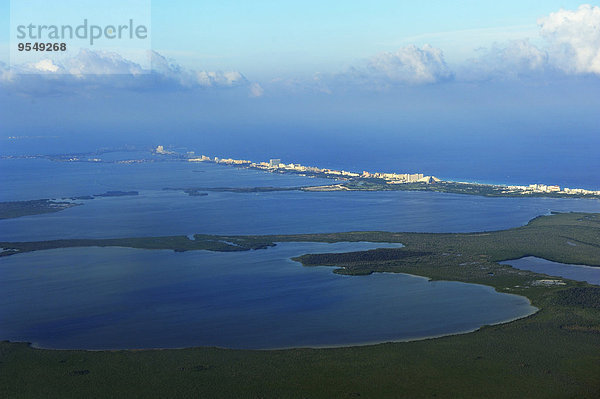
[15, 209]
[550, 237]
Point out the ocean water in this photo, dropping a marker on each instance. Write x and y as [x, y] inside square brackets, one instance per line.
[487, 143]
[126, 298]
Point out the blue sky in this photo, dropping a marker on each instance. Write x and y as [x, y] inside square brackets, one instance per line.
[311, 36]
[266, 38]
[271, 48]
[391, 84]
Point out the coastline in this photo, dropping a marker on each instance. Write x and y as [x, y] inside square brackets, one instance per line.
[349, 181]
[521, 353]
[288, 348]
[382, 181]
[532, 312]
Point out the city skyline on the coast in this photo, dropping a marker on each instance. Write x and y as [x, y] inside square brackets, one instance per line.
[377, 83]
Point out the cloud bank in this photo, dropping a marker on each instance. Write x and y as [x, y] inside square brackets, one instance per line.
[574, 38]
[91, 70]
[571, 47]
[517, 59]
[179, 76]
[409, 65]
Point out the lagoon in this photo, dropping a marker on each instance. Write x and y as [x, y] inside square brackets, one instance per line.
[155, 212]
[589, 274]
[106, 298]
[117, 298]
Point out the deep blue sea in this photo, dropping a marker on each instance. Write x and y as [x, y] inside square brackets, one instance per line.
[124, 298]
[504, 152]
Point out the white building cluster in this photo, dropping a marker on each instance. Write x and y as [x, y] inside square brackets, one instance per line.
[542, 188]
[401, 178]
[161, 150]
[276, 165]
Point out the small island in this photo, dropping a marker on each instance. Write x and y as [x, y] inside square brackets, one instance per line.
[117, 194]
[15, 209]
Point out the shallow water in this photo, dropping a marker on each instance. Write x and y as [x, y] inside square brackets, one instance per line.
[589, 274]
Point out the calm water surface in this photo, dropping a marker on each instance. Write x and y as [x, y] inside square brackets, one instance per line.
[103, 298]
[156, 212]
[128, 298]
[572, 272]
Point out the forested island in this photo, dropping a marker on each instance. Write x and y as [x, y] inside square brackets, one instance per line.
[15, 209]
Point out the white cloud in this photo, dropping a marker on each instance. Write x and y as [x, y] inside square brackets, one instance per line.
[109, 70]
[256, 90]
[516, 59]
[86, 62]
[189, 78]
[46, 66]
[89, 62]
[229, 78]
[574, 38]
[6, 75]
[520, 55]
[572, 47]
[410, 65]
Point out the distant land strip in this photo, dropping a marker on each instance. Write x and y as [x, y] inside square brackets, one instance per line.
[374, 184]
[345, 180]
[549, 237]
[383, 181]
[15, 209]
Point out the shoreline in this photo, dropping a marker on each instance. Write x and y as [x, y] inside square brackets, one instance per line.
[559, 251]
[519, 354]
[288, 348]
[351, 181]
[23, 208]
[533, 312]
